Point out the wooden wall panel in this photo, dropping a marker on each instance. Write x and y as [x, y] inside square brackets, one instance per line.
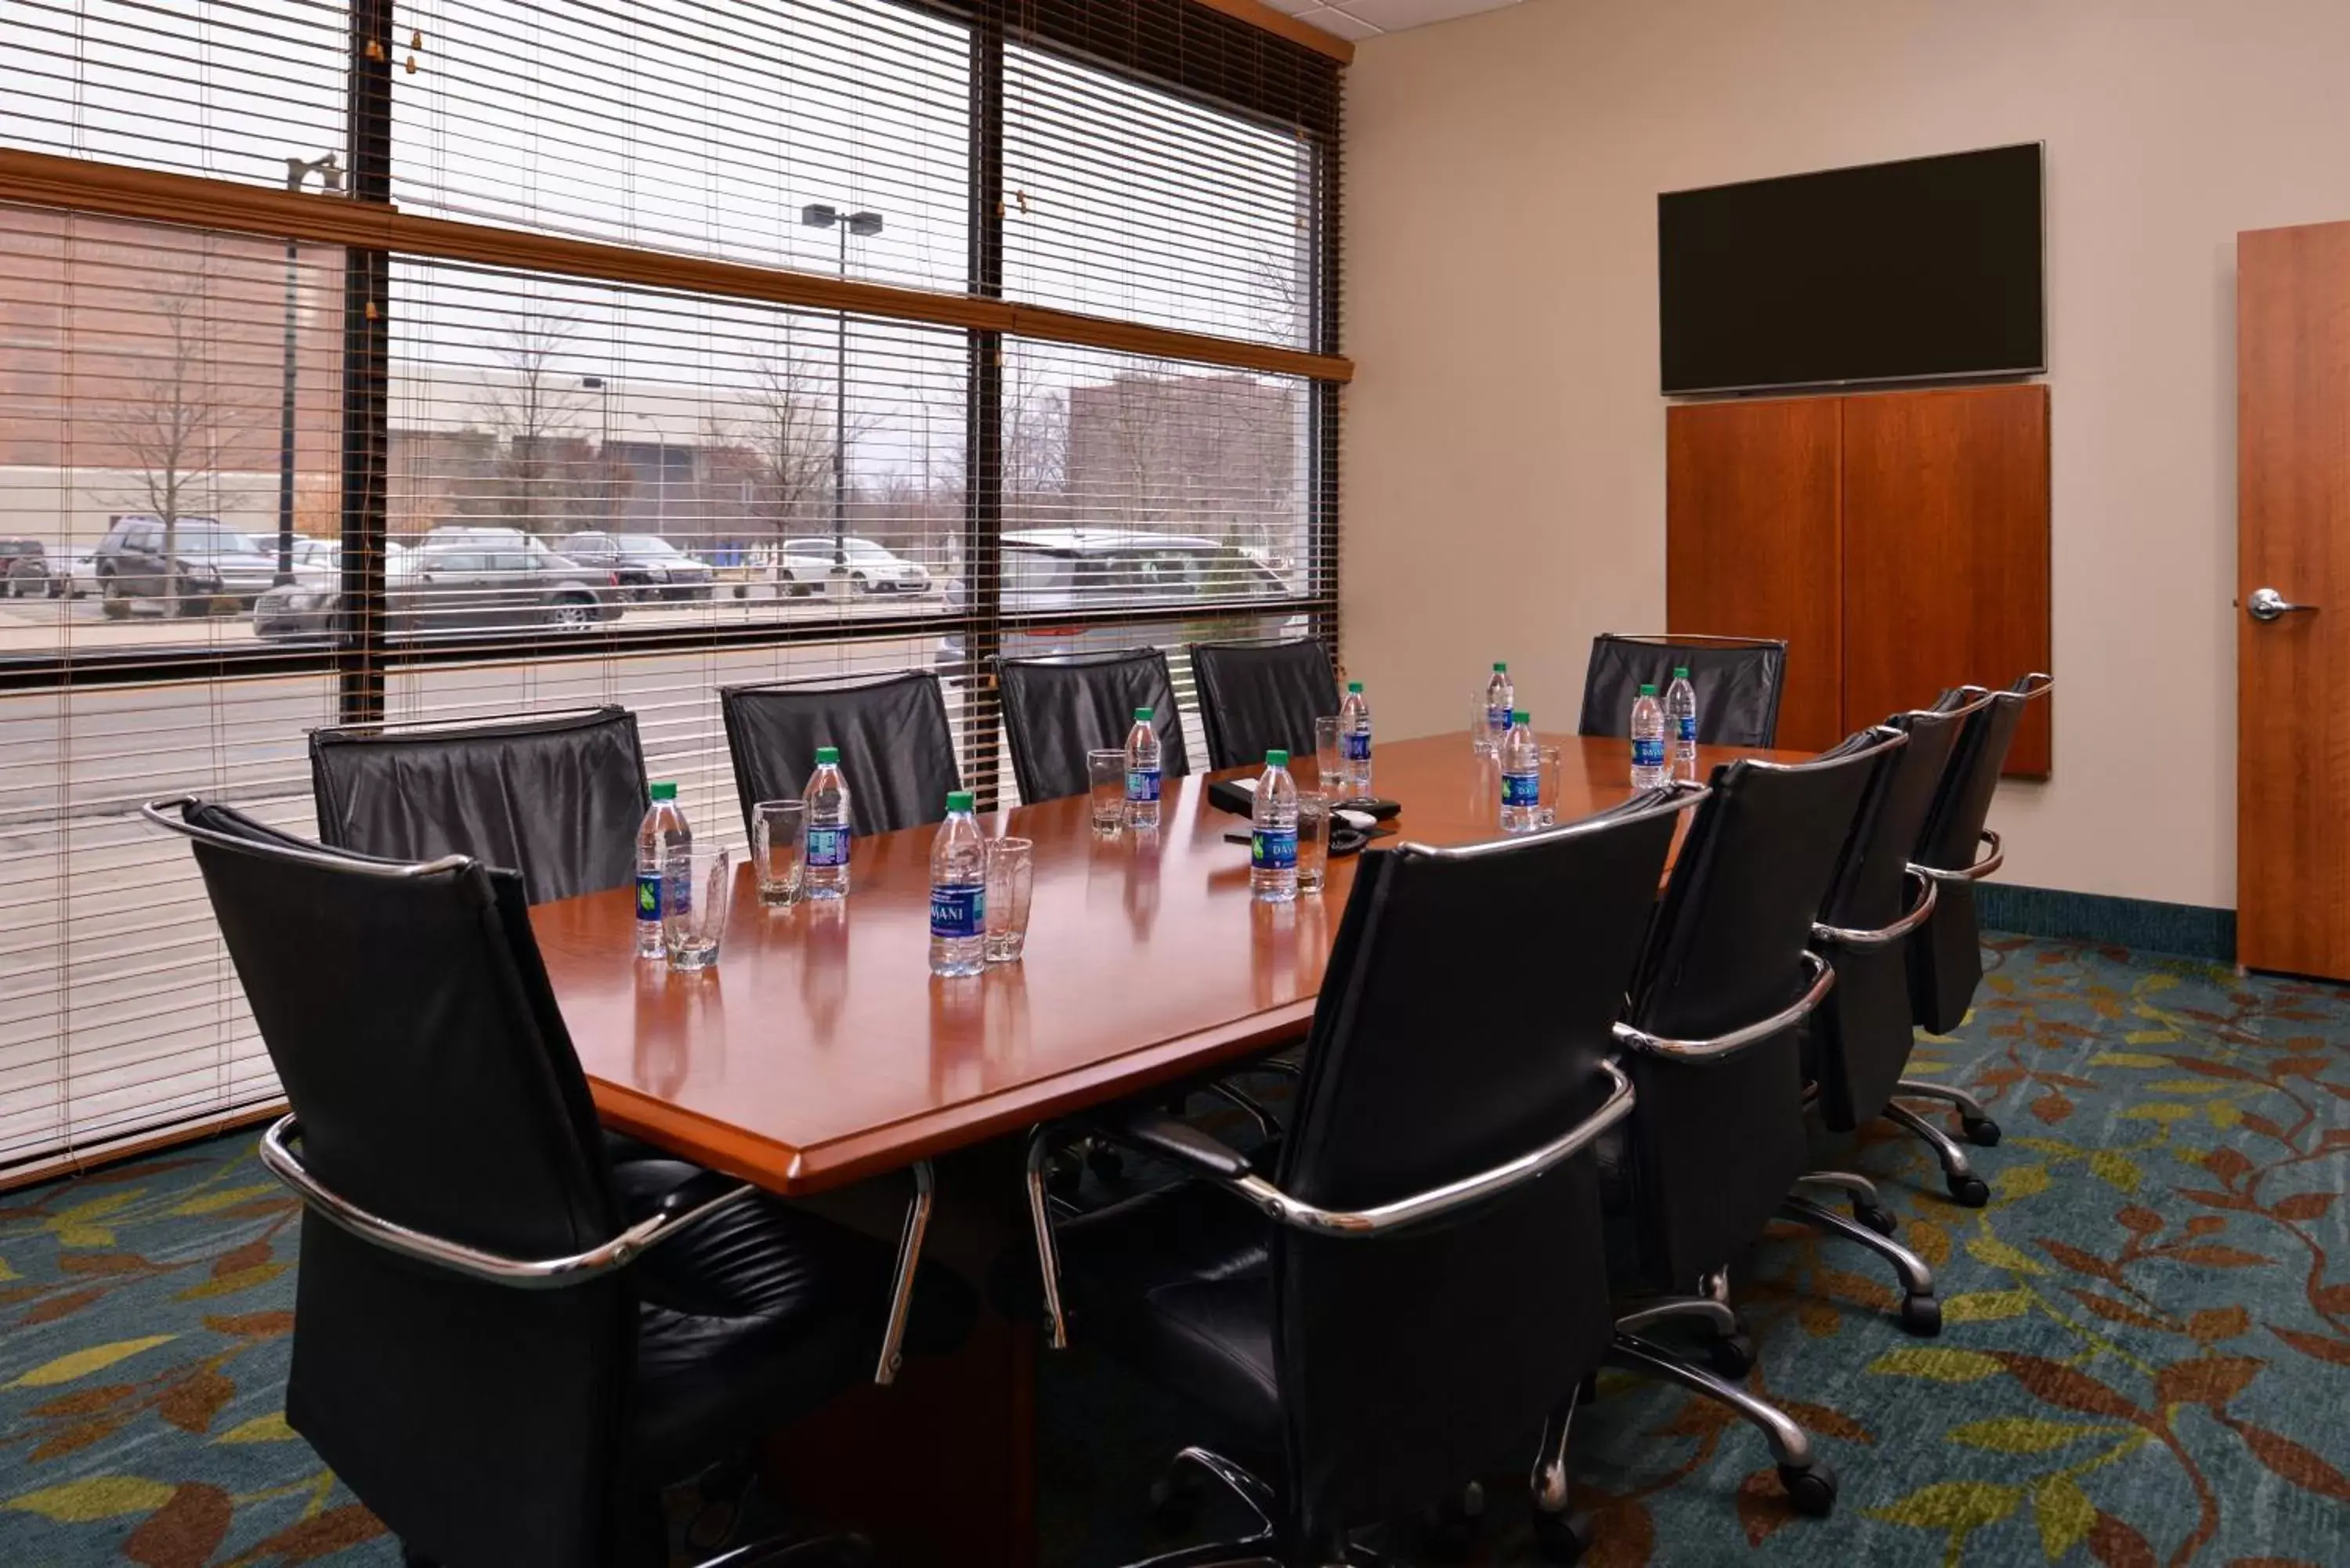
[1945, 551]
[1752, 542]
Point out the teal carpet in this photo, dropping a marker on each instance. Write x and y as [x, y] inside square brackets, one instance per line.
[2146, 1358]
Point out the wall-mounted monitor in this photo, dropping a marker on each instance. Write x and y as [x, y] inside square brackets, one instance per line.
[1927, 269]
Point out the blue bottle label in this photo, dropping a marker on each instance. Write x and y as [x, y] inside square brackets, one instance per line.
[1522, 789]
[957, 912]
[1689, 729]
[648, 896]
[1497, 719]
[827, 846]
[1648, 752]
[1142, 784]
[1274, 848]
[1357, 746]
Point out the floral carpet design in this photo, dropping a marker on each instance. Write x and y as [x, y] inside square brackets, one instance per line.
[2145, 1357]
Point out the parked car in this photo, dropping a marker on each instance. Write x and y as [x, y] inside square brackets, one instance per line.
[73, 573]
[648, 566]
[805, 567]
[456, 584]
[1074, 575]
[211, 564]
[23, 568]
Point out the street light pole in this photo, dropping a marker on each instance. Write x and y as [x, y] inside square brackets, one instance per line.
[823, 215]
[330, 180]
[604, 486]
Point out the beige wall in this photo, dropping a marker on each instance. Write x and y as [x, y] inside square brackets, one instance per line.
[1504, 468]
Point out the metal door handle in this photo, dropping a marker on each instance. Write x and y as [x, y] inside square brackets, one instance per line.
[2267, 605]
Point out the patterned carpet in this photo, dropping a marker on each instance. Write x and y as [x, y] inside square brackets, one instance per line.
[2147, 1357]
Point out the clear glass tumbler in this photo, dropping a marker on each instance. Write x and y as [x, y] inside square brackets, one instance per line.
[1106, 772]
[1551, 781]
[696, 896]
[1313, 808]
[779, 848]
[1329, 772]
[1011, 878]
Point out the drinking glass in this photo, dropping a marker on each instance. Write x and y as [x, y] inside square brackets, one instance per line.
[1481, 735]
[1011, 878]
[1313, 839]
[1328, 771]
[696, 896]
[779, 847]
[1552, 779]
[1107, 770]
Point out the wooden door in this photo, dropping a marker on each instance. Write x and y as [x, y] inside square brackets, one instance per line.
[2292, 538]
[1751, 543]
[1946, 552]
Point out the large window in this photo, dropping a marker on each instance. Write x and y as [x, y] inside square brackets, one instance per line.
[362, 365]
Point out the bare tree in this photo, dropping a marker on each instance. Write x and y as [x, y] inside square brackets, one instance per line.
[1035, 449]
[784, 426]
[540, 479]
[179, 435]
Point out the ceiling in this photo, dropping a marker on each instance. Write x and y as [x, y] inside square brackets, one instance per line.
[1369, 18]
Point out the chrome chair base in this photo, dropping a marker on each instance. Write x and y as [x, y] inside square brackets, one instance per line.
[1920, 1314]
[1981, 1130]
[1729, 1349]
[1811, 1486]
[1957, 1173]
[1264, 1544]
[1867, 1207]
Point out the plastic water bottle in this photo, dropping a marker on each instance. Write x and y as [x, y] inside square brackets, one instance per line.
[1142, 772]
[1680, 722]
[1648, 741]
[958, 891]
[1355, 742]
[1521, 776]
[826, 875]
[1501, 702]
[662, 835]
[1273, 835]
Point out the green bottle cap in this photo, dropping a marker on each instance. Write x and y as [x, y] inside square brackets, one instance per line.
[1500, 667]
[664, 792]
[1648, 688]
[961, 800]
[1520, 716]
[827, 754]
[1142, 715]
[1277, 758]
[1355, 687]
[1681, 672]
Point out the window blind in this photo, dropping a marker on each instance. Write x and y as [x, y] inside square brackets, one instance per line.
[508, 356]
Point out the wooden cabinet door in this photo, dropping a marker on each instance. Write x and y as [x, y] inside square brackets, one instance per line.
[2292, 538]
[1751, 543]
[1946, 552]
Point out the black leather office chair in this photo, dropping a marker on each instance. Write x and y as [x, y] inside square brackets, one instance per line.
[1738, 681]
[555, 796]
[1946, 953]
[1058, 709]
[1717, 1139]
[1419, 1283]
[1256, 697]
[504, 1344]
[897, 749]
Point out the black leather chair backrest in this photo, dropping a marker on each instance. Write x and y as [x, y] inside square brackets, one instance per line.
[1408, 1360]
[410, 1023]
[558, 798]
[1737, 683]
[1945, 955]
[897, 749]
[1058, 709]
[1862, 1029]
[1716, 1143]
[1257, 696]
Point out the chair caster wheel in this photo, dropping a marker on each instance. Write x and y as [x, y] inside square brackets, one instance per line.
[1732, 1355]
[1981, 1130]
[1812, 1490]
[1105, 1162]
[1175, 1500]
[1063, 1178]
[1968, 1190]
[1922, 1316]
[1876, 1217]
[1561, 1537]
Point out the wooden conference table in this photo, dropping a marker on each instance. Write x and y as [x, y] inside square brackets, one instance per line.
[820, 1052]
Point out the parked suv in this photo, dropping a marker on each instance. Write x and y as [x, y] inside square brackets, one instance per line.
[23, 568]
[648, 566]
[210, 565]
[461, 583]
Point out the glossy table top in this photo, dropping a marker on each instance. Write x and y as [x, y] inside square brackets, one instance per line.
[821, 1050]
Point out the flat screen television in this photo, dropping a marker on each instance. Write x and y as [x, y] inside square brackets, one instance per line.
[1926, 269]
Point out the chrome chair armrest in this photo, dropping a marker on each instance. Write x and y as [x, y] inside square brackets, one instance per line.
[1974, 873]
[493, 1268]
[2039, 684]
[1883, 936]
[1823, 980]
